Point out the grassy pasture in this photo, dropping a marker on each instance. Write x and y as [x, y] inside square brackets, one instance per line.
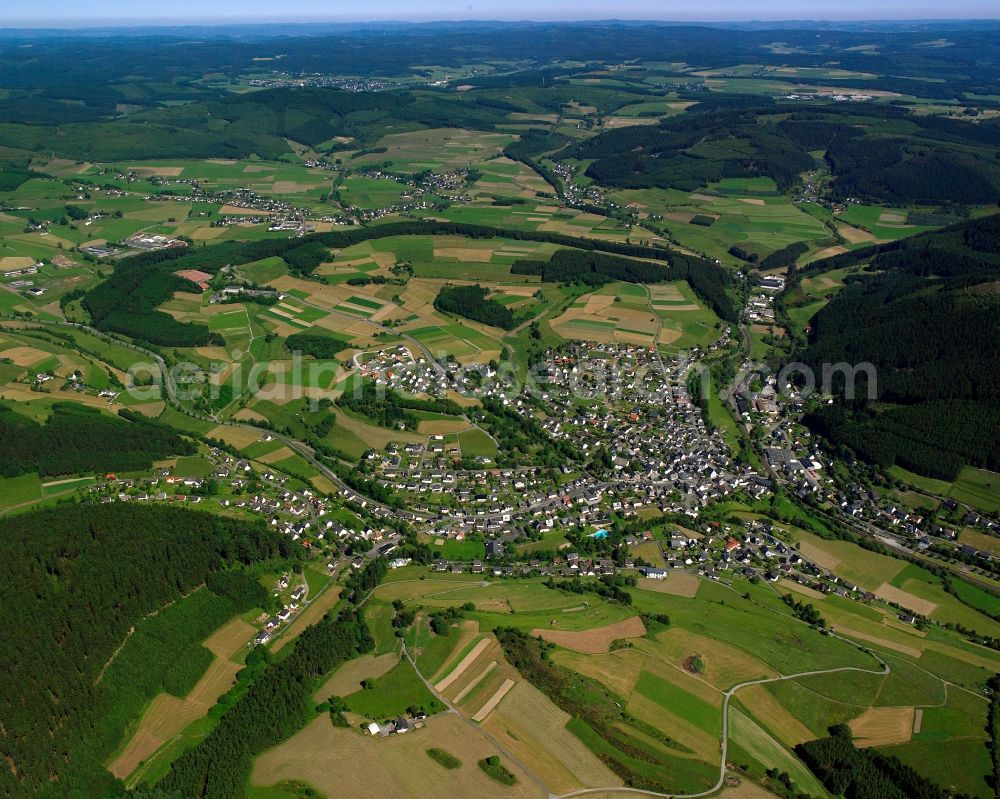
[886, 224]
[394, 692]
[753, 219]
[977, 488]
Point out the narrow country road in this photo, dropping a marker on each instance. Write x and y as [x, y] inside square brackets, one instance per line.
[725, 735]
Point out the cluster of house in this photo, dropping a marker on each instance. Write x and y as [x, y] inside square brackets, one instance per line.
[323, 82]
[287, 612]
[794, 458]
[395, 368]
[659, 445]
[575, 194]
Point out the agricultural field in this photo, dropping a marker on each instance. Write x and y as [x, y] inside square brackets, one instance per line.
[438, 149]
[666, 315]
[748, 215]
[675, 679]
[327, 758]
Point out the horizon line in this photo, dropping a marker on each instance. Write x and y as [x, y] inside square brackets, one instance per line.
[81, 24]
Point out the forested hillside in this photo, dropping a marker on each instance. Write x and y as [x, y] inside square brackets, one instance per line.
[76, 439]
[880, 154]
[75, 579]
[925, 314]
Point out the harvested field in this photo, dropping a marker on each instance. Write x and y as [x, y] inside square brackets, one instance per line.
[752, 201]
[150, 409]
[829, 252]
[618, 670]
[158, 171]
[791, 585]
[24, 356]
[235, 210]
[853, 235]
[167, 716]
[678, 583]
[494, 700]
[883, 726]
[597, 640]
[745, 790]
[892, 217]
[818, 556]
[475, 682]
[702, 743]
[442, 427]
[534, 730]
[327, 758]
[11, 263]
[459, 670]
[278, 455]
[291, 187]
[346, 680]
[247, 415]
[892, 594]
[724, 665]
[773, 715]
[239, 437]
[465, 254]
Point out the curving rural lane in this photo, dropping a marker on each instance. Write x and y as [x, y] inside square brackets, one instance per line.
[725, 733]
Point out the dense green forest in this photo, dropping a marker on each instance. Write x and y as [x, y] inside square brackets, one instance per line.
[925, 315]
[470, 302]
[322, 346]
[76, 439]
[75, 580]
[694, 149]
[593, 269]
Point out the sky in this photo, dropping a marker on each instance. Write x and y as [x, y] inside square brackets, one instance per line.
[100, 12]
